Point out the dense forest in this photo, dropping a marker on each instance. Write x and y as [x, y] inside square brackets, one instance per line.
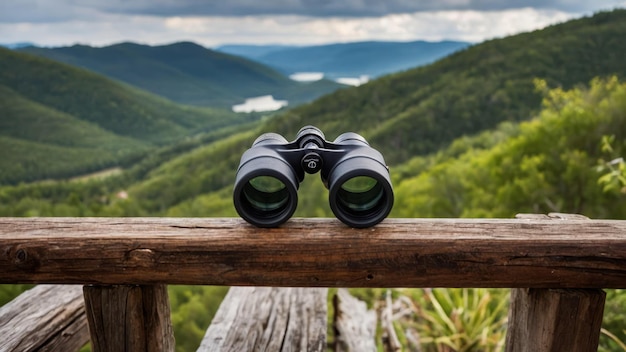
[529, 123]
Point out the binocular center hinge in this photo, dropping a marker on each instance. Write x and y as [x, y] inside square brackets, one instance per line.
[312, 163]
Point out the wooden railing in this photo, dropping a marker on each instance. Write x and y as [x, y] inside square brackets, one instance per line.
[557, 264]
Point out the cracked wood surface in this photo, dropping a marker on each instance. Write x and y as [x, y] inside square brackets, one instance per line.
[269, 319]
[45, 318]
[528, 252]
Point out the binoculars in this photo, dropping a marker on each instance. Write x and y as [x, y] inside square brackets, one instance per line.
[270, 172]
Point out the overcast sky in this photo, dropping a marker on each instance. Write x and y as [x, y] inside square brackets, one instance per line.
[215, 22]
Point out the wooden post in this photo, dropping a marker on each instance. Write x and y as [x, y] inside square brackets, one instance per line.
[542, 320]
[129, 318]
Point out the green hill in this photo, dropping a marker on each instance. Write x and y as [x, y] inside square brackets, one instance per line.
[422, 110]
[187, 73]
[51, 111]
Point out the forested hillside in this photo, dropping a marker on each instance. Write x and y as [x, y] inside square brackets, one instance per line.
[549, 164]
[424, 109]
[60, 121]
[406, 115]
[187, 73]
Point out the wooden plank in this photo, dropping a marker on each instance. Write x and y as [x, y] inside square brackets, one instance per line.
[269, 319]
[129, 318]
[544, 320]
[315, 252]
[44, 318]
[354, 324]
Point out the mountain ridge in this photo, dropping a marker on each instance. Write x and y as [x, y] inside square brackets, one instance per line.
[187, 73]
[352, 59]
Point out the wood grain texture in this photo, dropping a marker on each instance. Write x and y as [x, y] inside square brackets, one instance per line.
[544, 320]
[129, 318]
[269, 319]
[539, 253]
[354, 324]
[44, 318]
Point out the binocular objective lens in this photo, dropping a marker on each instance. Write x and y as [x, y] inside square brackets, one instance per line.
[266, 194]
[360, 194]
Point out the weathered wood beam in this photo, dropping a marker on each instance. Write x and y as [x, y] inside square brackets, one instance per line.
[269, 319]
[531, 253]
[129, 318]
[545, 320]
[44, 318]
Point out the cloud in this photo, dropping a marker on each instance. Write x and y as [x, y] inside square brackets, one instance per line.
[213, 22]
[334, 8]
[460, 25]
[15, 11]
[288, 29]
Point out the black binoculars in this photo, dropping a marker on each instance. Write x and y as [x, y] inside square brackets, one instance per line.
[270, 173]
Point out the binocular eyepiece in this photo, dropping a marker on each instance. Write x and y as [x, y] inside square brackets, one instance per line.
[270, 173]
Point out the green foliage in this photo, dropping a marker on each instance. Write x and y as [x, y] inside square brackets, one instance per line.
[193, 308]
[441, 320]
[459, 319]
[548, 165]
[9, 292]
[613, 336]
[614, 171]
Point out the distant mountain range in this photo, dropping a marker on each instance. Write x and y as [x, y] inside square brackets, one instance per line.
[371, 58]
[187, 73]
[16, 45]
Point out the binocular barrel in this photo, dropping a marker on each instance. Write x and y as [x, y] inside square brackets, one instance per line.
[270, 172]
